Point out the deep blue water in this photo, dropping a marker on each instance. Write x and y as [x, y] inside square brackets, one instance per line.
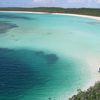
[16, 73]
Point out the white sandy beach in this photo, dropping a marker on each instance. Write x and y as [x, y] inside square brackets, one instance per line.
[84, 16]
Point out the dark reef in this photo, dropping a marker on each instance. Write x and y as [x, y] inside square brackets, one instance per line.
[51, 58]
[5, 26]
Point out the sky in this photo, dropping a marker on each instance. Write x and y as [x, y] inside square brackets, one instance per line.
[51, 3]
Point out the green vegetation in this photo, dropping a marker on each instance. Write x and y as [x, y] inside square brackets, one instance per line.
[93, 93]
[83, 11]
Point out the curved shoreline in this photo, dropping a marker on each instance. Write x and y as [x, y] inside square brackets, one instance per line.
[84, 16]
[68, 14]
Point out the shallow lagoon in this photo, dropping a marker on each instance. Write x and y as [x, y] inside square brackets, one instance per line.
[46, 56]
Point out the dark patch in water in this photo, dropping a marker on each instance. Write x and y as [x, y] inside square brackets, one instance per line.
[5, 26]
[51, 58]
[21, 70]
[49, 33]
[14, 16]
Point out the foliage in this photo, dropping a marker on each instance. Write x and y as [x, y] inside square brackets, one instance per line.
[83, 11]
[93, 93]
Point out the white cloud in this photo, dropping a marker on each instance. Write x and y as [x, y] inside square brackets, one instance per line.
[60, 1]
[98, 1]
[74, 1]
[66, 1]
[44, 0]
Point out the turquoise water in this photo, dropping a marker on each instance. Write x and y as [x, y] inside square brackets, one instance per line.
[46, 56]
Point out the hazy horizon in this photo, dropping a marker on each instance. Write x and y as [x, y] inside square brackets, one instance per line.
[51, 3]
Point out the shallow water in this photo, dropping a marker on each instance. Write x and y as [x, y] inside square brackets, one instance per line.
[46, 56]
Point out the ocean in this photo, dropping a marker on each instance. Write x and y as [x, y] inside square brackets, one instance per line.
[47, 56]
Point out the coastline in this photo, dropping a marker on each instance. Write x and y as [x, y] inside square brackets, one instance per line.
[67, 14]
[92, 67]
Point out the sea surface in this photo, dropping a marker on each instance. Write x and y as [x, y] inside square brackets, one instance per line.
[45, 56]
